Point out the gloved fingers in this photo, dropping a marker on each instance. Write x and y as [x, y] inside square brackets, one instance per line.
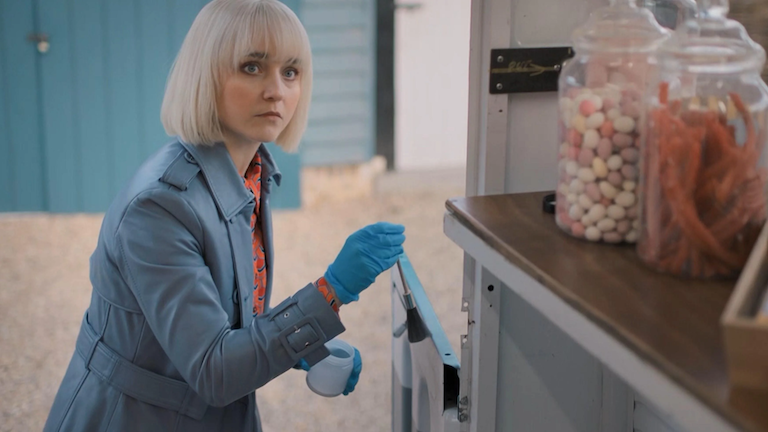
[385, 253]
[303, 365]
[390, 239]
[354, 377]
[385, 228]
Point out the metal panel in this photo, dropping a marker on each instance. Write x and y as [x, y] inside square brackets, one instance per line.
[22, 179]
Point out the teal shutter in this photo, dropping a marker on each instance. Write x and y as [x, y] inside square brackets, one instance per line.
[342, 117]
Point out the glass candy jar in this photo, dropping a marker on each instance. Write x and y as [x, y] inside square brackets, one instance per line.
[703, 175]
[601, 91]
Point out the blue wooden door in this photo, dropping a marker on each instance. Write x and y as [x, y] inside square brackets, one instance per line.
[100, 88]
[22, 179]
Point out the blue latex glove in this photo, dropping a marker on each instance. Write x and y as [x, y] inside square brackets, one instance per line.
[357, 367]
[366, 254]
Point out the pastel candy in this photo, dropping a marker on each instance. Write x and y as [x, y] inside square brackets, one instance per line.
[606, 130]
[597, 212]
[572, 168]
[615, 162]
[629, 185]
[576, 186]
[606, 225]
[630, 155]
[613, 114]
[595, 120]
[631, 236]
[623, 124]
[576, 212]
[599, 168]
[573, 153]
[615, 178]
[623, 226]
[578, 229]
[593, 234]
[632, 212]
[587, 107]
[612, 237]
[571, 197]
[586, 221]
[591, 139]
[616, 212]
[609, 191]
[565, 219]
[593, 192]
[622, 140]
[586, 156]
[605, 148]
[574, 137]
[585, 202]
[625, 199]
[579, 122]
[586, 175]
[629, 172]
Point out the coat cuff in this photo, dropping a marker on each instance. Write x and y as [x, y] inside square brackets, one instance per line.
[306, 322]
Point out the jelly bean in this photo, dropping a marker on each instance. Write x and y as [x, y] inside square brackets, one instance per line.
[593, 192]
[629, 171]
[572, 168]
[605, 148]
[578, 229]
[612, 237]
[593, 234]
[613, 114]
[597, 212]
[576, 186]
[586, 175]
[606, 224]
[591, 139]
[571, 198]
[573, 153]
[585, 202]
[579, 122]
[615, 163]
[606, 130]
[586, 221]
[630, 154]
[576, 212]
[622, 140]
[595, 121]
[615, 179]
[623, 124]
[625, 199]
[587, 107]
[599, 168]
[574, 138]
[631, 236]
[623, 226]
[629, 185]
[616, 212]
[585, 157]
[632, 212]
[609, 191]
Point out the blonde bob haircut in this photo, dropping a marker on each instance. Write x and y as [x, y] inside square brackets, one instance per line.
[222, 35]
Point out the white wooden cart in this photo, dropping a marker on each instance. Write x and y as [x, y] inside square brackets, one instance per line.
[545, 350]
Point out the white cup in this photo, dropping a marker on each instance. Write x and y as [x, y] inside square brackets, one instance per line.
[329, 377]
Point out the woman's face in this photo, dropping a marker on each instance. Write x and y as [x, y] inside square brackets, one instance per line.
[258, 101]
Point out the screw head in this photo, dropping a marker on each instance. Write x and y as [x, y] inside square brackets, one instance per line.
[499, 86]
[500, 59]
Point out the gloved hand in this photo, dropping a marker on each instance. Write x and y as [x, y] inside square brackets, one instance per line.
[354, 377]
[366, 254]
[357, 367]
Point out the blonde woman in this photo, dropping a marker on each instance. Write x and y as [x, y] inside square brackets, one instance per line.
[179, 332]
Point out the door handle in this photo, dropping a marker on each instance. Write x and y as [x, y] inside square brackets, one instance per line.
[41, 39]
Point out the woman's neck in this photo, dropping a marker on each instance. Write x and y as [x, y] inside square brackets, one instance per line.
[241, 151]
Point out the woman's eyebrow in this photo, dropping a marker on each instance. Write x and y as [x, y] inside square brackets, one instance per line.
[258, 55]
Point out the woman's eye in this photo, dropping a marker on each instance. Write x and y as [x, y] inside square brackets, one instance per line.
[251, 68]
[291, 73]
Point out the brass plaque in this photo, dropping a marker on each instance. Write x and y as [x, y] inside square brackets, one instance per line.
[527, 70]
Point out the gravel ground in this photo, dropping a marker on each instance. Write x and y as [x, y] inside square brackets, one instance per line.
[44, 290]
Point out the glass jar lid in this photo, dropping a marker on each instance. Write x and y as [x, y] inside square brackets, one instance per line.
[712, 43]
[621, 26]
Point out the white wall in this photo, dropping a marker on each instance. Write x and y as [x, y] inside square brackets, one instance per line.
[431, 84]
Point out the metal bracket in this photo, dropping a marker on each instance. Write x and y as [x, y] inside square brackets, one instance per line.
[527, 70]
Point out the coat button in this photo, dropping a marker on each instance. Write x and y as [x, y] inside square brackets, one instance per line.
[235, 297]
[191, 159]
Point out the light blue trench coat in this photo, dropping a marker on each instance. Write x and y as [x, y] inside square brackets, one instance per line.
[168, 342]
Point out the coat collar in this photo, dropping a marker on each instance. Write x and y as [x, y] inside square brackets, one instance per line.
[227, 186]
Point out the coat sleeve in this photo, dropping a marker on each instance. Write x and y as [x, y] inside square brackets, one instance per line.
[160, 257]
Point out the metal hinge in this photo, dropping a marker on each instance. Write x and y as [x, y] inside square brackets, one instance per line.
[464, 409]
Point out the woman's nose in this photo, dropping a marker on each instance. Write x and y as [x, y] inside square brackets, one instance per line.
[274, 87]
